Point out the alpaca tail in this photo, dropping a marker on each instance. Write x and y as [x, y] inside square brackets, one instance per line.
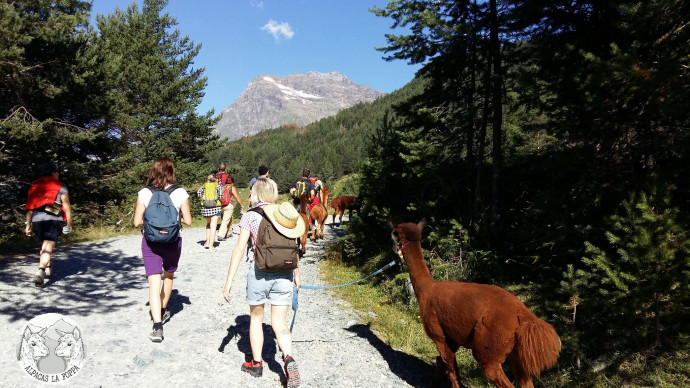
[537, 346]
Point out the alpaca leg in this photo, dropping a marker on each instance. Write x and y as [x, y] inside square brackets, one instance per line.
[448, 359]
[524, 379]
[494, 372]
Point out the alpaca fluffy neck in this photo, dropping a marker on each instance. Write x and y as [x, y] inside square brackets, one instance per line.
[419, 272]
[324, 198]
[302, 205]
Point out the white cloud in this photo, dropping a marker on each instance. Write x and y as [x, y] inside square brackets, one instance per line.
[279, 30]
[257, 3]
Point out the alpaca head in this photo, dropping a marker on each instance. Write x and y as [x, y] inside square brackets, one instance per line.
[405, 233]
[35, 343]
[67, 342]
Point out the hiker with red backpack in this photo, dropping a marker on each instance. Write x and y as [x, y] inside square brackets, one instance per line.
[227, 201]
[271, 272]
[47, 207]
[158, 209]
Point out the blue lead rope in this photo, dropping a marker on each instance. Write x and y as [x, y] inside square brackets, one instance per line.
[295, 302]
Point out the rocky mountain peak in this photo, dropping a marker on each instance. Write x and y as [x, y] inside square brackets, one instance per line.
[270, 101]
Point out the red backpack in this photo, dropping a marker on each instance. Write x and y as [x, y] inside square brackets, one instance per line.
[227, 195]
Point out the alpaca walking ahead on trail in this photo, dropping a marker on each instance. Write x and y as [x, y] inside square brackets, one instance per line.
[303, 212]
[319, 214]
[342, 203]
[71, 347]
[487, 319]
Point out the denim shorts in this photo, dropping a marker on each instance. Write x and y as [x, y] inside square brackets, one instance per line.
[263, 287]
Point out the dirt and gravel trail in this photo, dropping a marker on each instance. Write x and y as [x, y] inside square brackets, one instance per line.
[101, 286]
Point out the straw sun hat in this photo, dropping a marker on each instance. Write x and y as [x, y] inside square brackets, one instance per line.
[286, 219]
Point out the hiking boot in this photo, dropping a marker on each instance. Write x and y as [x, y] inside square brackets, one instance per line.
[291, 372]
[157, 333]
[165, 316]
[48, 272]
[38, 279]
[256, 369]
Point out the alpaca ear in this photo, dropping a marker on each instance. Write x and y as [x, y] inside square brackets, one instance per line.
[421, 224]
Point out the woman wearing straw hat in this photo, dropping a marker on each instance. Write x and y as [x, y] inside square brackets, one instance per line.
[274, 288]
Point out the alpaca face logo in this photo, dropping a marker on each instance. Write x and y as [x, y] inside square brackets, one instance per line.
[51, 348]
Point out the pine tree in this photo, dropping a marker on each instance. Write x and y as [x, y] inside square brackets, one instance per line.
[638, 283]
[150, 93]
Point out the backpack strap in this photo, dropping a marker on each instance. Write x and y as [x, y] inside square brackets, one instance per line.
[259, 210]
[169, 190]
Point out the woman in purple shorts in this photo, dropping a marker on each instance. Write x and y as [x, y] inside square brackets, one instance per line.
[274, 288]
[161, 257]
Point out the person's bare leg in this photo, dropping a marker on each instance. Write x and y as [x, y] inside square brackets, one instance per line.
[281, 329]
[256, 331]
[166, 290]
[155, 297]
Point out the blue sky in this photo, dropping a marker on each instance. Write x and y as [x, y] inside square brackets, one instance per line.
[242, 39]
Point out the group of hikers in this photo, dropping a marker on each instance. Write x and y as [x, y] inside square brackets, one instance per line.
[270, 276]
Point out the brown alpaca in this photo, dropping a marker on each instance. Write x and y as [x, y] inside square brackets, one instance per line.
[342, 203]
[303, 213]
[486, 319]
[319, 214]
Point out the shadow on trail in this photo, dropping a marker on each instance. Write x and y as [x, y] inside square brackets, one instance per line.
[412, 370]
[175, 303]
[241, 329]
[86, 279]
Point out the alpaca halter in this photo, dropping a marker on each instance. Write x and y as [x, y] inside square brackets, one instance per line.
[402, 244]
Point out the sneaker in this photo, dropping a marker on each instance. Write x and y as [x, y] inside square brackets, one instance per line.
[48, 272]
[291, 372]
[165, 316]
[256, 369]
[157, 333]
[38, 279]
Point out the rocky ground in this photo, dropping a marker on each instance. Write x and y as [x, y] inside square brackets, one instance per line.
[101, 286]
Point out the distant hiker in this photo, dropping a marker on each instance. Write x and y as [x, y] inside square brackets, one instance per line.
[47, 206]
[228, 200]
[317, 190]
[263, 173]
[161, 257]
[225, 202]
[262, 286]
[209, 195]
[301, 186]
